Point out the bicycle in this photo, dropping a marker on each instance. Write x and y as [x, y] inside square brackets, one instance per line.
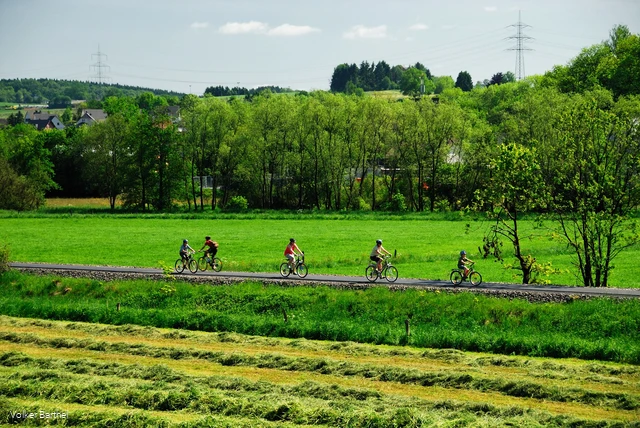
[213, 262]
[299, 268]
[457, 275]
[186, 262]
[389, 272]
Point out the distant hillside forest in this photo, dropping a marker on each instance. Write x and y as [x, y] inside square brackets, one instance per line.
[60, 93]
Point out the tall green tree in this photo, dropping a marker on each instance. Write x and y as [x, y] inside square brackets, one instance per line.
[625, 66]
[376, 140]
[612, 64]
[271, 123]
[28, 157]
[464, 82]
[441, 83]
[597, 184]
[442, 124]
[424, 69]
[516, 187]
[497, 79]
[17, 192]
[342, 74]
[106, 156]
[381, 71]
[234, 151]
[412, 81]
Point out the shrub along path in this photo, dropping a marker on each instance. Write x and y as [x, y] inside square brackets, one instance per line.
[129, 374]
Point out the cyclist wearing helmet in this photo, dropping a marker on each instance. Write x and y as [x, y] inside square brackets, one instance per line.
[463, 261]
[376, 254]
[213, 247]
[290, 252]
[185, 250]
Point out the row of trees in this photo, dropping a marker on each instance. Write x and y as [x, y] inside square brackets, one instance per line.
[370, 77]
[414, 81]
[507, 149]
[225, 91]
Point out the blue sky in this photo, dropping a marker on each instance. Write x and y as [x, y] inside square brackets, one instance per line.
[189, 45]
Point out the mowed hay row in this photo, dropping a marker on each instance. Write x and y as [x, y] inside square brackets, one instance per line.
[173, 377]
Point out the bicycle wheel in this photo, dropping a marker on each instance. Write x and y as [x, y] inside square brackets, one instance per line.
[284, 269]
[371, 273]
[202, 264]
[179, 266]
[301, 270]
[475, 278]
[391, 274]
[193, 266]
[216, 265]
[456, 277]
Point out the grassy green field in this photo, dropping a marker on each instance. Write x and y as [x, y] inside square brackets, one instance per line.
[147, 353]
[235, 361]
[427, 247]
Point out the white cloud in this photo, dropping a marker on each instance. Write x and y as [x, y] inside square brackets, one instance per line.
[362, 32]
[199, 25]
[490, 8]
[448, 27]
[419, 27]
[243, 27]
[291, 30]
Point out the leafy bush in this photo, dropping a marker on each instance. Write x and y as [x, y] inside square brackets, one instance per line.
[237, 203]
[398, 202]
[18, 192]
[362, 205]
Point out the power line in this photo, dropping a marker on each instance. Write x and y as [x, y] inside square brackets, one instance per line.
[520, 39]
[100, 67]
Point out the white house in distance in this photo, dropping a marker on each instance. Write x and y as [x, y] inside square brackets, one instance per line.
[90, 116]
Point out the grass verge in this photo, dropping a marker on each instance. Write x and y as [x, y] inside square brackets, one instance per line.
[598, 329]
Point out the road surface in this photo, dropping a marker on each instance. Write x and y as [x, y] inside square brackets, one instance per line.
[408, 282]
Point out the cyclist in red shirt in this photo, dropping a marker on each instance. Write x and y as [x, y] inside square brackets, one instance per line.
[213, 247]
[290, 252]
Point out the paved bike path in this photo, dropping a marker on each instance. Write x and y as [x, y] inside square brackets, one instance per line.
[591, 291]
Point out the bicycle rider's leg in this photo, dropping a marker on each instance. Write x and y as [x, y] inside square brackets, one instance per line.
[290, 261]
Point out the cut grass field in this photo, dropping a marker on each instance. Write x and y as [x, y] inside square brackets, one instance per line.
[102, 375]
[427, 246]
